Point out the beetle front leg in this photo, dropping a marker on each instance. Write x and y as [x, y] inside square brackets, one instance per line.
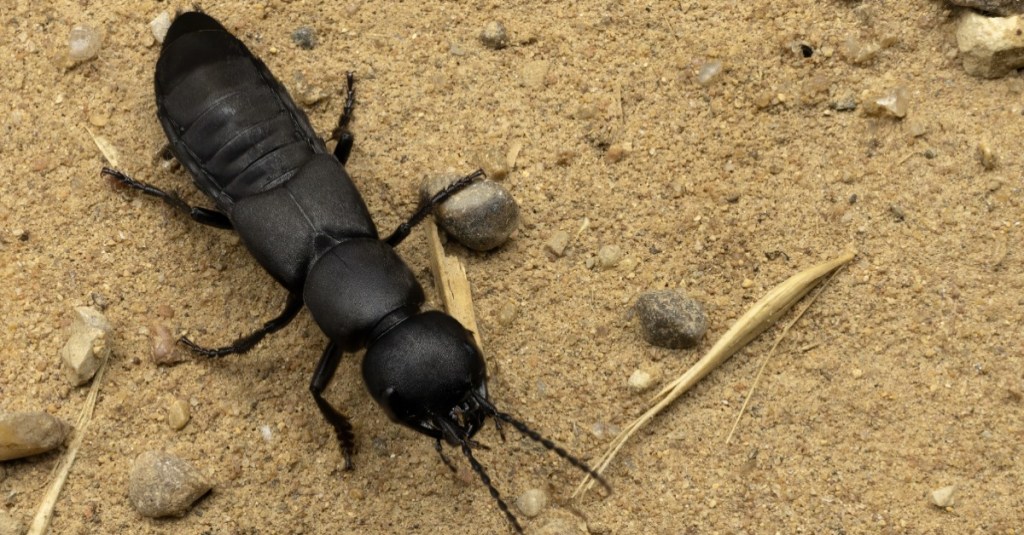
[205, 216]
[321, 378]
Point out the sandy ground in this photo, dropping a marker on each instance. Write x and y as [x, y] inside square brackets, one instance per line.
[907, 374]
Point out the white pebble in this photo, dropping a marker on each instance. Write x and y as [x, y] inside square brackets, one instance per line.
[708, 72]
[159, 25]
[84, 42]
[87, 345]
[532, 502]
[640, 381]
[943, 497]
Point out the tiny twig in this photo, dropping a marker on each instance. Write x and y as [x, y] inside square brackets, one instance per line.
[759, 317]
[452, 283]
[41, 521]
[768, 357]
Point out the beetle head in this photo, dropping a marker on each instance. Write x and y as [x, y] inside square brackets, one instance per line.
[428, 374]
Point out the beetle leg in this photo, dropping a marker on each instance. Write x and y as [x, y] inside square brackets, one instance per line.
[341, 132]
[205, 216]
[427, 207]
[321, 378]
[245, 343]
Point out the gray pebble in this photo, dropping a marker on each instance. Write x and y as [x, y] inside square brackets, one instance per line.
[83, 42]
[670, 319]
[305, 37]
[30, 433]
[482, 216]
[995, 7]
[164, 485]
[532, 502]
[494, 35]
[87, 345]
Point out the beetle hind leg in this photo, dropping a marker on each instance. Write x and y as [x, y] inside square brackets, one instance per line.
[321, 378]
[205, 216]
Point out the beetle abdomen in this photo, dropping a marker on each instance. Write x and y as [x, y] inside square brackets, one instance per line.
[230, 122]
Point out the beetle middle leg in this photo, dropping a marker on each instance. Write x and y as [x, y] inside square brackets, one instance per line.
[205, 216]
[321, 377]
[245, 343]
[341, 132]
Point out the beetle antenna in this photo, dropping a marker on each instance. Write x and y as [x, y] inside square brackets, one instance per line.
[479, 469]
[537, 437]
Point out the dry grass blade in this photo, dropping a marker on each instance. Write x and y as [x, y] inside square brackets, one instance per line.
[41, 522]
[452, 283]
[761, 315]
[106, 148]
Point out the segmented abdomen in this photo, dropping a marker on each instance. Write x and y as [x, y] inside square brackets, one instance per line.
[231, 123]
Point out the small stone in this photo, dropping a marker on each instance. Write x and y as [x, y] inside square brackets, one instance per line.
[995, 7]
[493, 163]
[943, 497]
[986, 156]
[535, 73]
[507, 314]
[305, 37]
[165, 347]
[747, 283]
[991, 47]
[709, 73]
[640, 381]
[670, 319]
[84, 43]
[178, 414]
[609, 256]
[163, 485]
[10, 525]
[482, 216]
[23, 434]
[87, 345]
[859, 52]
[494, 35]
[159, 26]
[308, 94]
[893, 103]
[557, 243]
[532, 502]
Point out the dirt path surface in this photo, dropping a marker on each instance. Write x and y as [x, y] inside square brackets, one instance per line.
[906, 376]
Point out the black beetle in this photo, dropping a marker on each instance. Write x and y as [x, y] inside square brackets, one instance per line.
[253, 151]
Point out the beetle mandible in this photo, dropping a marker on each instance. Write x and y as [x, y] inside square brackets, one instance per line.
[249, 148]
